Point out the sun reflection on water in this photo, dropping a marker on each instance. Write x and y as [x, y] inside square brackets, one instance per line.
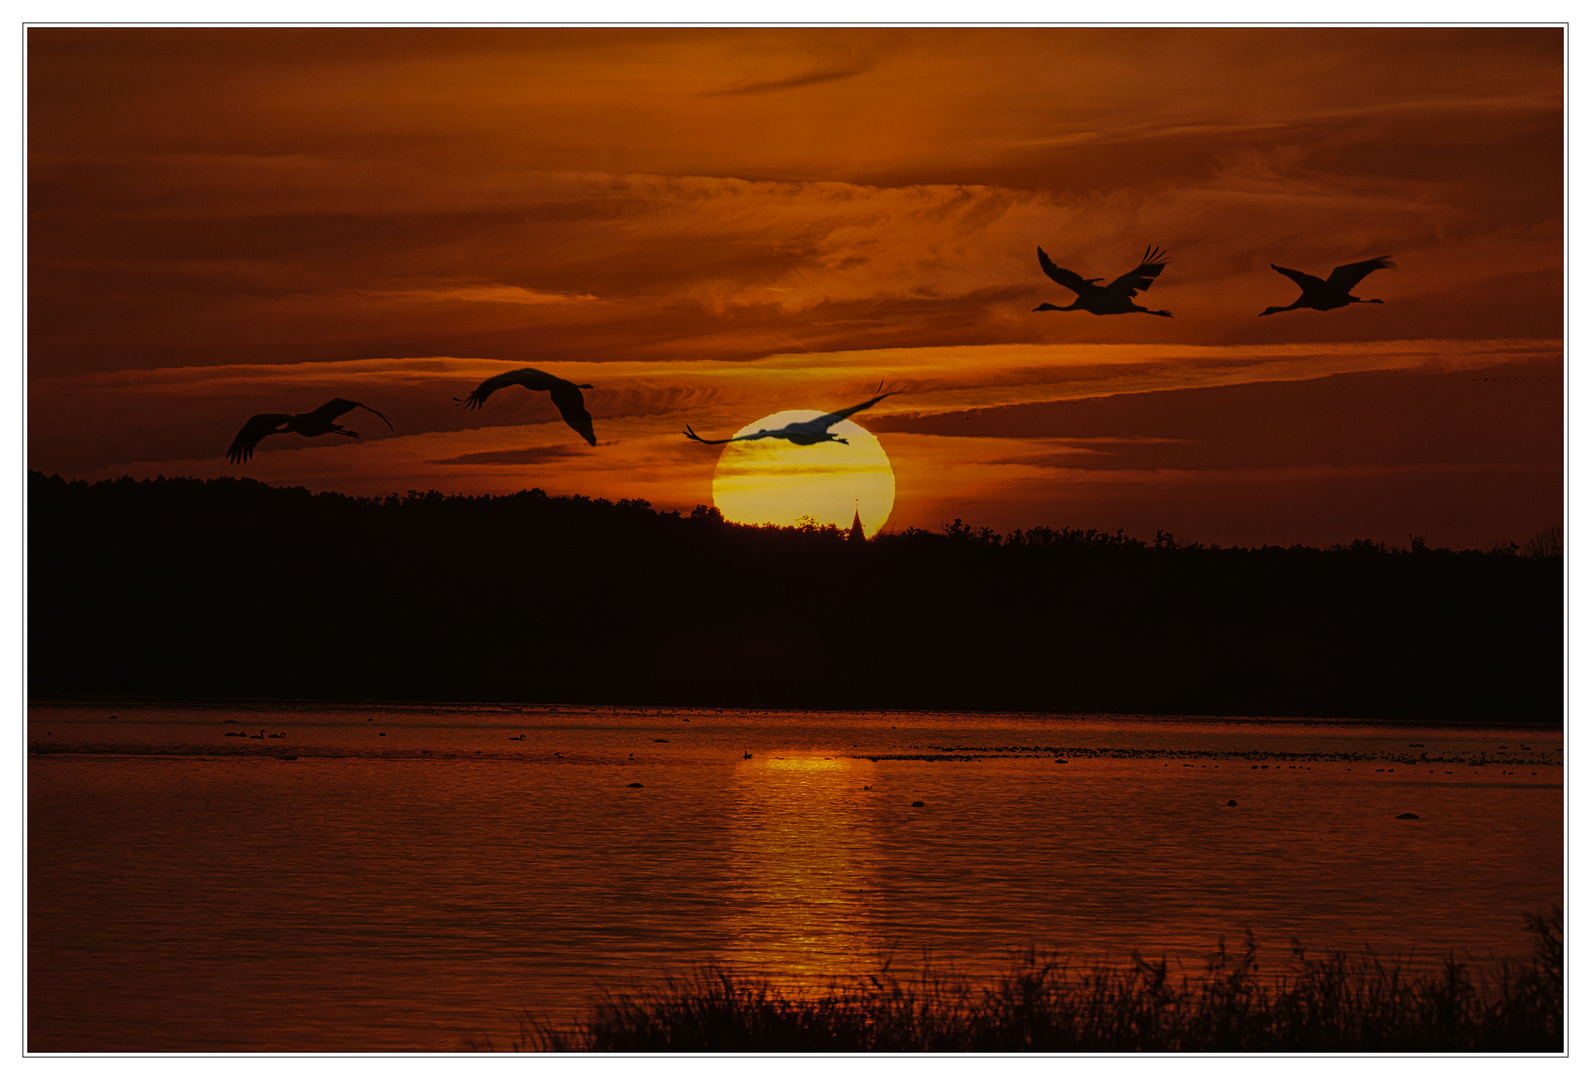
[805, 867]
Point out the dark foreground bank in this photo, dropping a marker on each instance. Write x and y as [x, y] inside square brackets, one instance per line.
[1331, 1003]
[230, 588]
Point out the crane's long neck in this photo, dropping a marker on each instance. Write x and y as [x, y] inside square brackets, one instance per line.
[1073, 306]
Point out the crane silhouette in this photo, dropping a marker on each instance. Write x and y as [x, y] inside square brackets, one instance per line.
[1334, 291]
[1112, 299]
[323, 421]
[801, 432]
[565, 394]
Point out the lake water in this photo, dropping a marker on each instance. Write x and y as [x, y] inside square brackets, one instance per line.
[414, 878]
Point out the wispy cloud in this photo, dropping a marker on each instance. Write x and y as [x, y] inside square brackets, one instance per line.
[529, 455]
[797, 81]
[489, 294]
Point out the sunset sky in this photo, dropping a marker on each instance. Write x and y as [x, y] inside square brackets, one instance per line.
[711, 226]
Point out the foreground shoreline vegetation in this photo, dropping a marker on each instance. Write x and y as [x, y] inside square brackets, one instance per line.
[1331, 1002]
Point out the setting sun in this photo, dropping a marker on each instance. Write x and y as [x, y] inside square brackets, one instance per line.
[773, 482]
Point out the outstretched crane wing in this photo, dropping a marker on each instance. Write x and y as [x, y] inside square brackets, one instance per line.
[1140, 277]
[337, 406]
[1306, 282]
[1061, 276]
[253, 431]
[828, 420]
[1346, 277]
[764, 433]
[689, 434]
[529, 378]
[572, 405]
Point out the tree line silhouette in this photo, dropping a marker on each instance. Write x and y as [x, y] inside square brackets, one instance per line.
[232, 588]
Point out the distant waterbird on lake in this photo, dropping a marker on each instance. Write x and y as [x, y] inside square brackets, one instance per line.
[1112, 299]
[566, 396]
[1334, 291]
[323, 421]
[801, 432]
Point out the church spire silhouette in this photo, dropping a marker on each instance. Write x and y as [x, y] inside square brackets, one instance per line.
[856, 532]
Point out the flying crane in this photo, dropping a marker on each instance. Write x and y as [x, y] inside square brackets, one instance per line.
[565, 394]
[1334, 291]
[1112, 299]
[320, 422]
[801, 432]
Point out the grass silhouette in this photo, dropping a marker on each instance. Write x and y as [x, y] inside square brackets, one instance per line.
[1331, 1002]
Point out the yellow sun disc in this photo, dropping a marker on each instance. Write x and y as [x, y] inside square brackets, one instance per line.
[775, 482]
